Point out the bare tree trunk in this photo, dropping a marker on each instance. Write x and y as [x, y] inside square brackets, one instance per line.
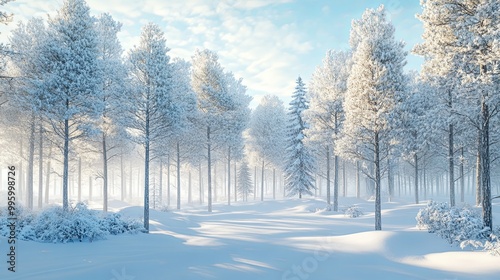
[146, 174]
[479, 170]
[229, 176]
[122, 178]
[105, 172]
[189, 188]
[451, 167]
[358, 180]
[328, 194]
[31, 161]
[65, 164]
[79, 179]
[378, 213]
[178, 177]
[235, 183]
[262, 183]
[209, 171]
[336, 184]
[255, 183]
[47, 177]
[415, 159]
[168, 180]
[485, 160]
[462, 175]
[200, 182]
[274, 183]
[390, 179]
[40, 165]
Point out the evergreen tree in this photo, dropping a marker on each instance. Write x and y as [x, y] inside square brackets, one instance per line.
[245, 185]
[70, 96]
[299, 163]
[152, 105]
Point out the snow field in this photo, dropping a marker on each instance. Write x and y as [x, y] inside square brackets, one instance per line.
[288, 239]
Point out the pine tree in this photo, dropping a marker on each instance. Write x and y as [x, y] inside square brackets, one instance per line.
[376, 80]
[151, 104]
[245, 185]
[70, 97]
[299, 163]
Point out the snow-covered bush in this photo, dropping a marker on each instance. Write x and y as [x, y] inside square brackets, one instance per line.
[58, 226]
[353, 211]
[451, 223]
[77, 224]
[114, 224]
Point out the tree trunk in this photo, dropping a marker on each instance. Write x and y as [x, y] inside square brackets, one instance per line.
[328, 194]
[451, 167]
[336, 184]
[255, 183]
[229, 176]
[168, 180]
[344, 181]
[200, 183]
[178, 176]
[160, 187]
[462, 176]
[146, 174]
[105, 173]
[274, 183]
[47, 177]
[40, 165]
[209, 171]
[122, 178]
[79, 179]
[235, 183]
[358, 180]
[485, 164]
[390, 179]
[65, 164]
[262, 183]
[415, 159]
[378, 213]
[130, 181]
[31, 161]
[479, 169]
[189, 188]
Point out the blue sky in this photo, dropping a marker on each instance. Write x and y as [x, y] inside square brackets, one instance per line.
[266, 42]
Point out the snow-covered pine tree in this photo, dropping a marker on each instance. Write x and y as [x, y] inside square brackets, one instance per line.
[376, 80]
[112, 88]
[299, 162]
[71, 99]
[267, 132]
[151, 104]
[245, 184]
[326, 113]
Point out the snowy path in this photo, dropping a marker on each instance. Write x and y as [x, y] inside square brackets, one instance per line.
[270, 240]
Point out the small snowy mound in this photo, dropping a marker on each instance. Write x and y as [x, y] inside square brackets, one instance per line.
[56, 225]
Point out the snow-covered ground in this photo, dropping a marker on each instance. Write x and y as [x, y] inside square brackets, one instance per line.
[288, 239]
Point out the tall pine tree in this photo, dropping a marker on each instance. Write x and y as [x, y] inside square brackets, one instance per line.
[299, 162]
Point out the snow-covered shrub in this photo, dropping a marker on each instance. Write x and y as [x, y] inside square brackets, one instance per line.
[451, 223]
[58, 226]
[77, 224]
[114, 224]
[353, 211]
